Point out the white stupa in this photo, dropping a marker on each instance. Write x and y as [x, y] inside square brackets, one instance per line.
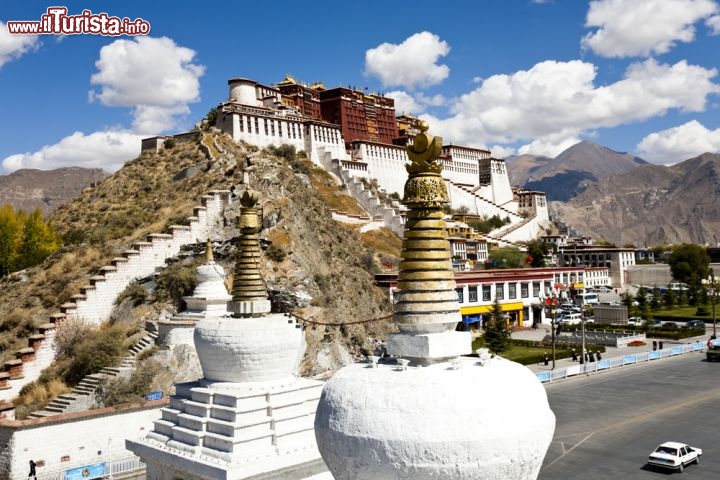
[434, 414]
[250, 416]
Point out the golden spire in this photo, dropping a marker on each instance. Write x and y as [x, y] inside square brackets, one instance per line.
[248, 285]
[209, 252]
[426, 299]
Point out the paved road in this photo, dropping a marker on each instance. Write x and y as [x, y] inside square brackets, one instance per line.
[608, 424]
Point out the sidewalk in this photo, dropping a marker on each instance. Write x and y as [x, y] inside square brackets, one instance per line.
[610, 352]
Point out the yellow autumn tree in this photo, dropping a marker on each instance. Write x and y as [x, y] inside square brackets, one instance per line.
[25, 240]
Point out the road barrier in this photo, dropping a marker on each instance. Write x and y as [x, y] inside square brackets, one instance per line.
[612, 363]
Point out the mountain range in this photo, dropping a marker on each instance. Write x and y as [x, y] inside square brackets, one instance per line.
[623, 199]
[597, 192]
[30, 189]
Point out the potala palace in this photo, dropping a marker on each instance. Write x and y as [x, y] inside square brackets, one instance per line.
[357, 135]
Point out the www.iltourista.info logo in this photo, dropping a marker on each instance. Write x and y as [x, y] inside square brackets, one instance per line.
[57, 22]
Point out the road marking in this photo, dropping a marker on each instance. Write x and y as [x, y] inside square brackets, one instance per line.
[571, 448]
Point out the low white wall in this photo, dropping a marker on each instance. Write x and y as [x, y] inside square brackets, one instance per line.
[72, 440]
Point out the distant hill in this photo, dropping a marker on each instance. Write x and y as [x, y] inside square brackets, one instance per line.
[650, 205]
[571, 172]
[30, 189]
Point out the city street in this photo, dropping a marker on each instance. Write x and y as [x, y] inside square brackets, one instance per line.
[607, 424]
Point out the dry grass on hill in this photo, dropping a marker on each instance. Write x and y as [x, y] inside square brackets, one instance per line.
[332, 262]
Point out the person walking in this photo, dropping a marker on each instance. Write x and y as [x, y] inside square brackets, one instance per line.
[32, 470]
[546, 360]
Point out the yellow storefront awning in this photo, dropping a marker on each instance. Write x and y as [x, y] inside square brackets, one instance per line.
[505, 307]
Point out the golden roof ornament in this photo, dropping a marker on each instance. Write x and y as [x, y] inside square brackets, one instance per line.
[425, 187]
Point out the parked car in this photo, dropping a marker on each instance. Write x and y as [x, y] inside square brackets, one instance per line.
[635, 321]
[603, 289]
[713, 351]
[674, 455]
[571, 318]
[694, 324]
[655, 324]
[670, 325]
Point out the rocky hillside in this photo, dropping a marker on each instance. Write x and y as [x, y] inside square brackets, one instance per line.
[651, 205]
[571, 172]
[325, 269]
[30, 189]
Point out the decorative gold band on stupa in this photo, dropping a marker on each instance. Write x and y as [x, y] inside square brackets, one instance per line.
[248, 284]
[426, 298]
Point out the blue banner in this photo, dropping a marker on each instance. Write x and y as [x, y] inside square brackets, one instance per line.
[676, 351]
[154, 395]
[653, 355]
[543, 376]
[603, 364]
[88, 472]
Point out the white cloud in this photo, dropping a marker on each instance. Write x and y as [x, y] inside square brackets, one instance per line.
[553, 103]
[107, 150]
[679, 143]
[412, 64]
[628, 28]
[502, 151]
[155, 76]
[713, 23]
[550, 146]
[415, 104]
[14, 46]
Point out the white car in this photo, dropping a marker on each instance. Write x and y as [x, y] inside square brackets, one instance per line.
[674, 455]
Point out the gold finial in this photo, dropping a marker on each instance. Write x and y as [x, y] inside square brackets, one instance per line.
[209, 252]
[249, 199]
[424, 152]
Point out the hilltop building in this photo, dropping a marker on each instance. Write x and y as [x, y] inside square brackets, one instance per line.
[356, 134]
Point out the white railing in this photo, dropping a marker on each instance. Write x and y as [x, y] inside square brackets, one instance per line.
[608, 364]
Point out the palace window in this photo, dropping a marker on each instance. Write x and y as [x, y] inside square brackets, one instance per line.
[512, 290]
[472, 293]
[459, 291]
[500, 291]
[524, 290]
[486, 293]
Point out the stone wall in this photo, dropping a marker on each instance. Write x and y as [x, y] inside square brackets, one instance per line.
[95, 300]
[71, 440]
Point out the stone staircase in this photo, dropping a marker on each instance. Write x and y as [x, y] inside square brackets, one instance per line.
[82, 396]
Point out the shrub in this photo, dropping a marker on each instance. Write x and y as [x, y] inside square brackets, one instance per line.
[100, 348]
[135, 292]
[176, 282]
[169, 143]
[276, 253]
[117, 391]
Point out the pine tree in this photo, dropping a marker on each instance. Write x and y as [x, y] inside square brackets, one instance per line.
[497, 333]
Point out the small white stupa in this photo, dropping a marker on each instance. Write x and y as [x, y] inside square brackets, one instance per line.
[209, 299]
[250, 416]
[435, 414]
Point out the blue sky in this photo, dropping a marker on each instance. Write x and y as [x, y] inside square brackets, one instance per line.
[515, 76]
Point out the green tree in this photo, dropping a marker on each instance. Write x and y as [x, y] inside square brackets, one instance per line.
[537, 250]
[497, 333]
[506, 257]
[689, 263]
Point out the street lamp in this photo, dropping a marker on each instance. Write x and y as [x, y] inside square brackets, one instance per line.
[550, 304]
[712, 287]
